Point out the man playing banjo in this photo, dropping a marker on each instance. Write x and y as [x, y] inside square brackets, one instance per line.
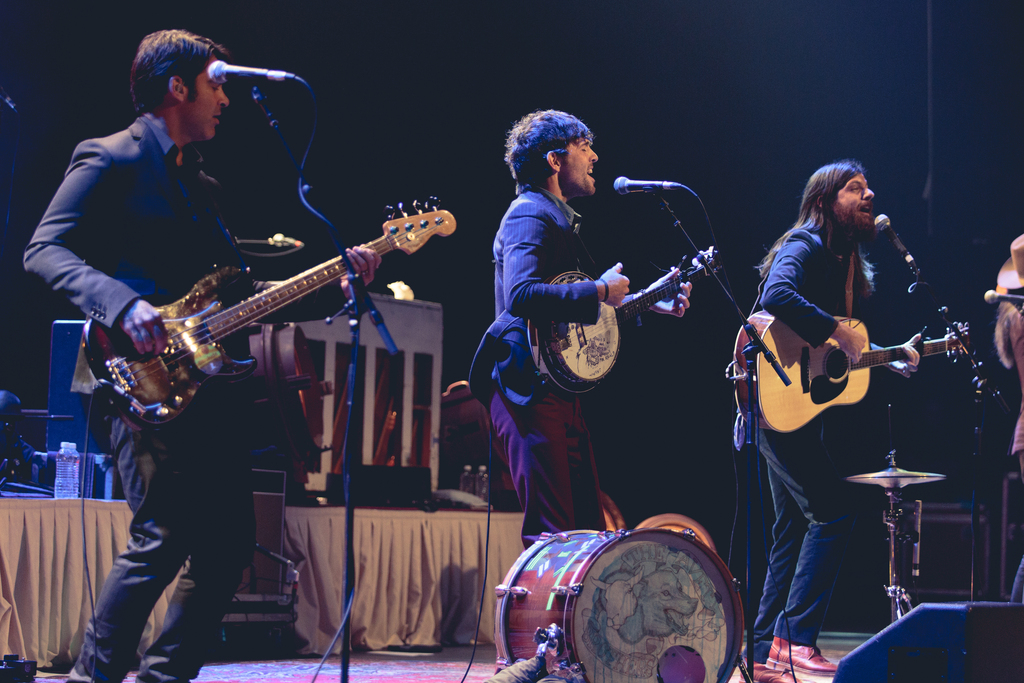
[540, 426]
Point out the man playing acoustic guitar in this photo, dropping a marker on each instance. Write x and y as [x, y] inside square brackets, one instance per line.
[815, 272]
[539, 425]
[134, 225]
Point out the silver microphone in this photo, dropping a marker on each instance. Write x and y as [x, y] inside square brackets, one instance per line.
[884, 225]
[219, 72]
[994, 297]
[624, 185]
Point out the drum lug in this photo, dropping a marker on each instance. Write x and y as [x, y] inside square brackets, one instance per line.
[563, 591]
[623, 533]
[575, 667]
[518, 591]
[690, 534]
[502, 663]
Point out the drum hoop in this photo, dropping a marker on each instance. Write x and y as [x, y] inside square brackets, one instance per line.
[514, 572]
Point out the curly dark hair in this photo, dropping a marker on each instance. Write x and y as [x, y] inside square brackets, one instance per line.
[533, 136]
[169, 53]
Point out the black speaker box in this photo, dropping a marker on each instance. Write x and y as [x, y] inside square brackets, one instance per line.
[383, 487]
[973, 642]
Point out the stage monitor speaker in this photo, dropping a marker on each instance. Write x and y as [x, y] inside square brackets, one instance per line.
[65, 338]
[972, 642]
[268, 502]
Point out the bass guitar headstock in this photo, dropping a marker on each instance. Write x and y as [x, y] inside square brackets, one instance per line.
[410, 232]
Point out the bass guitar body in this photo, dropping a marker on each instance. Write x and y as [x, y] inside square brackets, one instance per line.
[157, 389]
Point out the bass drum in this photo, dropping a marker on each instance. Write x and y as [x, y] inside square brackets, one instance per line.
[634, 605]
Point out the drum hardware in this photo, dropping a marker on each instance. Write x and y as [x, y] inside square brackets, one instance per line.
[893, 479]
[563, 591]
[517, 591]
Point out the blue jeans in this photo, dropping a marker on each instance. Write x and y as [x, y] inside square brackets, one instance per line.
[814, 518]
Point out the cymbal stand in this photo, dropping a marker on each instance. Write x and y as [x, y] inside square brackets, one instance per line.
[898, 596]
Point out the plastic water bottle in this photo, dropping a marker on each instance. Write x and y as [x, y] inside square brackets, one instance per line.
[483, 489]
[467, 482]
[65, 484]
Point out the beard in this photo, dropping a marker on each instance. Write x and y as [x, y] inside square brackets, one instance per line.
[856, 226]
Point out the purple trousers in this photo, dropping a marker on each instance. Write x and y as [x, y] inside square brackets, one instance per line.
[548, 451]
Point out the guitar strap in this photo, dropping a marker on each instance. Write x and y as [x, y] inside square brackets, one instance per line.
[583, 247]
[849, 286]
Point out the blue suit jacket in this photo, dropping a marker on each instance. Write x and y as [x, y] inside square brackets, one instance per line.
[534, 243]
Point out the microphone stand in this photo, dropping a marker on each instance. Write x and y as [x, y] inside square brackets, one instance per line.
[359, 301]
[754, 347]
[981, 383]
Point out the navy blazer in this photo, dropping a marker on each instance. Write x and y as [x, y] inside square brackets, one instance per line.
[534, 243]
[119, 228]
[806, 287]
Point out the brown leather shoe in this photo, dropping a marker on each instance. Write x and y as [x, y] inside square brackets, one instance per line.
[807, 659]
[762, 674]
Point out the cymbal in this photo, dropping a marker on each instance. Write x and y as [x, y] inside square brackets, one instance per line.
[895, 478]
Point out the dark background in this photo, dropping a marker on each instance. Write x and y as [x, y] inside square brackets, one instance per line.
[741, 101]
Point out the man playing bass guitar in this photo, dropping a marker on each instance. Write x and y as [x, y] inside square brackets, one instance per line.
[133, 226]
[814, 273]
[539, 426]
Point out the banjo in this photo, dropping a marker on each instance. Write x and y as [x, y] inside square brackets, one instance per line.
[576, 356]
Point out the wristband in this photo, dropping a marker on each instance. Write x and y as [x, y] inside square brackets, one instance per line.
[605, 297]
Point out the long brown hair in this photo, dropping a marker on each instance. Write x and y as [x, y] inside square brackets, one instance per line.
[1006, 318]
[817, 215]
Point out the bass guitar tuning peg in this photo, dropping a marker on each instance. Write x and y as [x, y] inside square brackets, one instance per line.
[401, 209]
[389, 212]
[417, 206]
[433, 203]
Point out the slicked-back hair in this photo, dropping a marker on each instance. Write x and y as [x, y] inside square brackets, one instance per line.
[817, 214]
[533, 136]
[169, 53]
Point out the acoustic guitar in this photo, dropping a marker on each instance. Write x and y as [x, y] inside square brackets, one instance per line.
[821, 376]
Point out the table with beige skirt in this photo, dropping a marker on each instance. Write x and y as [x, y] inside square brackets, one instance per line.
[418, 574]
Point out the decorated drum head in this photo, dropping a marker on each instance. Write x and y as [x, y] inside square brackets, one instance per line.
[653, 605]
[637, 607]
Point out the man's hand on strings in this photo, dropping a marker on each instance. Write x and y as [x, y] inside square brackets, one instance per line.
[613, 286]
[905, 367]
[850, 340]
[678, 304]
[364, 261]
[145, 327]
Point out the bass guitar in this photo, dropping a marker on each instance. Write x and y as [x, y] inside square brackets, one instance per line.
[576, 356]
[155, 389]
[821, 376]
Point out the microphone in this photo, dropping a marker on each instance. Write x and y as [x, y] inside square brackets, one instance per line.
[7, 100]
[624, 185]
[279, 240]
[884, 225]
[219, 72]
[994, 297]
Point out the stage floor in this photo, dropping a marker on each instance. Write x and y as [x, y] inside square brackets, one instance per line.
[447, 666]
